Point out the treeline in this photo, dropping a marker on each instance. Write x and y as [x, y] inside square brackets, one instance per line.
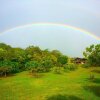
[13, 60]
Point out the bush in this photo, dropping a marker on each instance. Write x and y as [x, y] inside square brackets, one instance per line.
[57, 70]
[92, 54]
[62, 60]
[71, 66]
[8, 67]
[31, 65]
[86, 65]
[46, 64]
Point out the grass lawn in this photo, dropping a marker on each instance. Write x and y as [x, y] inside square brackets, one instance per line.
[73, 85]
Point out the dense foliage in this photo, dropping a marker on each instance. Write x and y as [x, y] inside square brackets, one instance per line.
[92, 54]
[13, 60]
[32, 58]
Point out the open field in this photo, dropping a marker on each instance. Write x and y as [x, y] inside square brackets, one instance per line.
[73, 85]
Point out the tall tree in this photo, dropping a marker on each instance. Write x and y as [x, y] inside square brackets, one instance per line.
[92, 54]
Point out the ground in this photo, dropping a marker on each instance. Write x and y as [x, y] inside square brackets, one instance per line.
[73, 85]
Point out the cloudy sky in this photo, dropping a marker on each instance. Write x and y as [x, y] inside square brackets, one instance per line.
[84, 14]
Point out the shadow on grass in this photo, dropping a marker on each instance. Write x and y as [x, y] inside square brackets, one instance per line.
[63, 97]
[94, 89]
[96, 71]
[95, 80]
[8, 75]
[37, 75]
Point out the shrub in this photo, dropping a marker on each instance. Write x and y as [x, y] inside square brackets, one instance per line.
[31, 65]
[86, 65]
[46, 63]
[92, 54]
[71, 66]
[62, 60]
[57, 70]
[8, 67]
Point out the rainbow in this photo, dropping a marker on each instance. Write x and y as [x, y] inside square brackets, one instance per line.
[55, 24]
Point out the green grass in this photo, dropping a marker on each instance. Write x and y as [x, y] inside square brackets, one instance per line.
[73, 85]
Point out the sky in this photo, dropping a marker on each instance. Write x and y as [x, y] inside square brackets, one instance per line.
[84, 14]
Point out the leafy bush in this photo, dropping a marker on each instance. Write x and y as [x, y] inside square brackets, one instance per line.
[70, 67]
[92, 54]
[7, 67]
[62, 60]
[57, 70]
[31, 65]
[86, 65]
[46, 64]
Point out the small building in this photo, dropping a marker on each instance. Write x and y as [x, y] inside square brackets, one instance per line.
[79, 60]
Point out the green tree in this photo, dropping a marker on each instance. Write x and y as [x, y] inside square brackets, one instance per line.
[19, 57]
[33, 53]
[92, 54]
[31, 64]
[62, 60]
[2, 54]
[7, 67]
[56, 53]
[46, 64]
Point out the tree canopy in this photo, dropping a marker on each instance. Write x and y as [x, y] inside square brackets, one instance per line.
[92, 54]
[18, 59]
